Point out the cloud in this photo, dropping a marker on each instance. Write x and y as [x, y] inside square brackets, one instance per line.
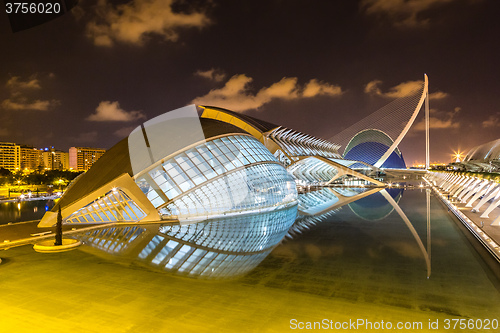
[77, 11]
[286, 89]
[87, 137]
[111, 111]
[15, 83]
[19, 88]
[213, 74]
[133, 21]
[124, 131]
[438, 95]
[372, 87]
[401, 90]
[437, 123]
[315, 88]
[439, 120]
[402, 13]
[236, 94]
[24, 104]
[492, 121]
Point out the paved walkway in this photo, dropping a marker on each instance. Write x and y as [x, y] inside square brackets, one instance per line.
[22, 233]
[14, 231]
[480, 227]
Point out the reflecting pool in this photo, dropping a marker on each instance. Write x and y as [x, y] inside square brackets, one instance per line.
[23, 210]
[221, 248]
[376, 259]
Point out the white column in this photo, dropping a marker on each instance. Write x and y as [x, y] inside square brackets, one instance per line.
[490, 208]
[486, 198]
[427, 152]
[475, 190]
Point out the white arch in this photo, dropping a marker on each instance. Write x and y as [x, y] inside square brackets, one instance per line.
[408, 125]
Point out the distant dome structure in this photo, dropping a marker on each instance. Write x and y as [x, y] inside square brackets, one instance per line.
[370, 145]
[483, 158]
[376, 207]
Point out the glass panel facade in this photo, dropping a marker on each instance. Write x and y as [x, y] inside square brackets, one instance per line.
[114, 206]
[249, 233]
[201, 164]
[250, 189]
[318, 199]
[218, 248]
[113, 240]
[312, 170]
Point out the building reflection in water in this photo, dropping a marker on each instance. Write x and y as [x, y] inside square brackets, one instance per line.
[233, 246]
[368, 204]
[318, 205]
[376, 207]
[22, 211]
[221, 248]
[380, 205]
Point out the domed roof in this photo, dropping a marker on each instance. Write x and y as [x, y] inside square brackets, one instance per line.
[370, 145]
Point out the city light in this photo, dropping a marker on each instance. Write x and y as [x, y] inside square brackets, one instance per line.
[264, 170]
[458, 156]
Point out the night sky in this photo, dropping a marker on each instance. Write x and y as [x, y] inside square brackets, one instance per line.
[91, 76]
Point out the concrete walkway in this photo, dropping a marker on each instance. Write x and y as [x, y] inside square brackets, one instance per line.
[481, 228]
[22, 233]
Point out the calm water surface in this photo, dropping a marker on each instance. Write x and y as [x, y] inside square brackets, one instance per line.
[362, 262]
[23, 210]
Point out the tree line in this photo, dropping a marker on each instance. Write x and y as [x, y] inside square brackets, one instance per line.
[46, 177]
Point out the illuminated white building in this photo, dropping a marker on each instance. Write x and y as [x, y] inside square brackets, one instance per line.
[199, 163]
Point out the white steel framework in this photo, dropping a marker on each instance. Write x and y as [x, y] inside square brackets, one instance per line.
[394, 119]
[468, 189]
[424, 97]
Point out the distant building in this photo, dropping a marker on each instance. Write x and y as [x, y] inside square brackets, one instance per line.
[10, 156]
[483, 158]
[203, 163]
[82, 158]
[62, 160]
[55, 159]
[374, 140]
[21, 157]
[31, 158]
[370, 145]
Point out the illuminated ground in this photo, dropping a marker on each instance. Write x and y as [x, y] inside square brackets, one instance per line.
[339, 270]
[59, 293]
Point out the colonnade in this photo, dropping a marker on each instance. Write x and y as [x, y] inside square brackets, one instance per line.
[472, 191]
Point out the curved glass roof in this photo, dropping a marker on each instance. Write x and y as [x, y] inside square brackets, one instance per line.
[489, 151]
[117, 161]
[370, 135]
[371, 152]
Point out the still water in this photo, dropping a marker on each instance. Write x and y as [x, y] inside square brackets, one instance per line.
[363, 262]
[23, 210]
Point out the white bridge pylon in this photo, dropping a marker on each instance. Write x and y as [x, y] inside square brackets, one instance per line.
[423, 98]
[394, 120]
